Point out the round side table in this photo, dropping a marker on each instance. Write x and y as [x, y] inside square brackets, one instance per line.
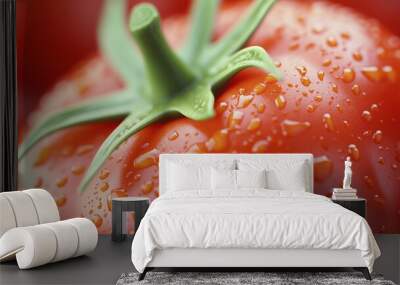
[120, 206]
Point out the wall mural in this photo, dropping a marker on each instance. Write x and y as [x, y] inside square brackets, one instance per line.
[101, 96]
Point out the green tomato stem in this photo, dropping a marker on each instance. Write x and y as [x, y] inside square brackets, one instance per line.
[167, 74]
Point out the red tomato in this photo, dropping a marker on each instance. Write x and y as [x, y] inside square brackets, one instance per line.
[339, 97]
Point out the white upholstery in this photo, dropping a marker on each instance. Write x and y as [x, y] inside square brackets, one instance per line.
[182, 177]
[223, 179]
[7, 218]
[251, 178]
[87, 235]
[23, 209]
[282, 174]
[46, 207]
[32, 246]
[66, 238]
[31, 232]
[216, 160]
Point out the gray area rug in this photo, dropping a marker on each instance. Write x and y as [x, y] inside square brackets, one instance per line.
[233, 278]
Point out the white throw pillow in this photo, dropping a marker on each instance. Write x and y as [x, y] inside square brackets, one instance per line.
[281, 174]
[181, 177]
[251, 178]
[223, 179]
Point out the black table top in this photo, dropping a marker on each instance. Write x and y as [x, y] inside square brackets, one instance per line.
[131, 199]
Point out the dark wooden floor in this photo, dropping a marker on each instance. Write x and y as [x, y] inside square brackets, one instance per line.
[102, 266]
[110, 260]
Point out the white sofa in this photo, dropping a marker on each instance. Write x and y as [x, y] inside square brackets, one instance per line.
[31, 230]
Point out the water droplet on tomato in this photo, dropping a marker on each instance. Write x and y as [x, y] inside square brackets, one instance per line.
[67, 150]
[269, 79]
[261, 108]
[334, 87]
[310, 46]
[339, 108]
[293, 128]
[372, 73]
[245, 100]
[357, 56]
[305, 81]
[77, 169]
[334, 68]
[310, 108]
[97, 220]
[61, 182]
[366, 133]
[218, 142]
[381, 160]
[301, 70]
[323, 168]
[103, 186]
[84, 149]
[280, 102]
[389, 73]
[327, 62]
[366, 115]
[348, 75]
[235, 119]
[294, 46]
[128, 174]
[380, 52]
[377, 137]
[173, 136]
[345, 35]
[353, 151]
[321, 75]
[61, 200]
[328, 122]
[356, 89]
[317, 29]
[222, 106]
[394, 166]
[104, 173]
[261, 145]
[332, 42]
[318, 98]
[368, 180]
[301, 20]
[298, 101]
[148, 187]
[254, 124]
[43, 156]
[197, 148]
[39, 182]
[374, 108]
[146, 160]
[259, 88]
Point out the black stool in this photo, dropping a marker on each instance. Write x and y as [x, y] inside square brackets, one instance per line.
[120, 205]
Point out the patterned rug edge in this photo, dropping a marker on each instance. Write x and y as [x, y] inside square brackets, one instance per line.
[268, 278]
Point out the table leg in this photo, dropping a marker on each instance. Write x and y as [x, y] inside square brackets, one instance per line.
[117, 219]
[140, 211]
